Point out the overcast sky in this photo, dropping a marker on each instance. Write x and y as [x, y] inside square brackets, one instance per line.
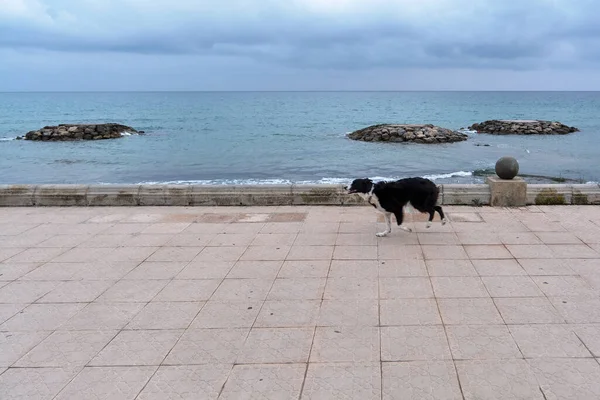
[299, 45]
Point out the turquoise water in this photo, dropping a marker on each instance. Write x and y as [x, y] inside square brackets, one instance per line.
[277, 137]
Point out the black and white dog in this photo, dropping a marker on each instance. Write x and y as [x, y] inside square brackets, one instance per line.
[391, 198]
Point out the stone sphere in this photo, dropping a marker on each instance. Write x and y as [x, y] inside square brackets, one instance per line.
[507, 167]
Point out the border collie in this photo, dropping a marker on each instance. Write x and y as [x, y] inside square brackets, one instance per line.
[391, 198]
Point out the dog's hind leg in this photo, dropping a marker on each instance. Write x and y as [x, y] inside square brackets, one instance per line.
[399, 219]
[441, 212]
[431, 215]
[388, 225]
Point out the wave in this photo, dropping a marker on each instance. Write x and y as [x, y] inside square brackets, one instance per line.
[322, 181]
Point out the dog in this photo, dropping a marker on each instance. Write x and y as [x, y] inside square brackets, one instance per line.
[391, 198]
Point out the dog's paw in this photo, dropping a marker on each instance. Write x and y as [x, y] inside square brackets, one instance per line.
[428, 224]
[444, 221]
[381, 234]
[404, 228]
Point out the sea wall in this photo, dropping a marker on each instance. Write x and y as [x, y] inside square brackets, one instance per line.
[262, 195]
[398, 133]
[522, 127]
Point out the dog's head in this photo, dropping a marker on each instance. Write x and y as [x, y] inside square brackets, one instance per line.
[363, 185]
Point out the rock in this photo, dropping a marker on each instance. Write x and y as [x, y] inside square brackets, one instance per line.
[522, 127]
[507, 167]
[69, 132]
[407, 133]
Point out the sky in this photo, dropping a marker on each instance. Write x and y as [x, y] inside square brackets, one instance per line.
[131, 45]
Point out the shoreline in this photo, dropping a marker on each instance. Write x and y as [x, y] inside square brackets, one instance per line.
[264, 195]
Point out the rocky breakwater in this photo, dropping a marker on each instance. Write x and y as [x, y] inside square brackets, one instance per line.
[523, 127]
[69, 132]
[407, 133]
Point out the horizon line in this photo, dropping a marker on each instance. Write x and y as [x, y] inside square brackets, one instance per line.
[297, 91]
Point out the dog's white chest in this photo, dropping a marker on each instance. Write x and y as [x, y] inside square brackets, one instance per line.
[373, 200]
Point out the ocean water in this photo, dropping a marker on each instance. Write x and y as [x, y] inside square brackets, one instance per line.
[280, 137]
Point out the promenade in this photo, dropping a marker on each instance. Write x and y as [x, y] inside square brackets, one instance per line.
[298, 303]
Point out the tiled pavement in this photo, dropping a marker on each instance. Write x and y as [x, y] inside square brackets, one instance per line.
[298, 302]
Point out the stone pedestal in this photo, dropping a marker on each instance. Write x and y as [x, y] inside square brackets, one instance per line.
[507, 192]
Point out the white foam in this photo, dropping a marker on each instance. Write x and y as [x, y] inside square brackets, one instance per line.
[126, 133]
[449, 175]
[7, 139]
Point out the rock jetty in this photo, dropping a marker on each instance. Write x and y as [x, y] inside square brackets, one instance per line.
[407, 133]
[523, 127]
[70, 132]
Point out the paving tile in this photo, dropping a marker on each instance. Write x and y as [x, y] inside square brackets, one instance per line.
[558, 238]
[409, 312]
[541, 266]
[13, 345]
[76, 292]
[227, 314]
[519, 238]
[349, 312]
[399, 252]
[573, 251]
[141, 347]
[34, 383]
[198, 240]
[359, 381]
[402, 268]
[504, 267]
[548, 341]
[136, 291]
[564, 286]
[310, 253]
[567, 378]
[147, 240]
[166, 315]
[578, 310]
[156, 270]
[354, 268]
[316, 239]
[511, 286]
[497, 380]
[420, 380]
[350, 288]
[274, 239]
[528, 310]
[479, 237]
[186, 382]
[103, 316]
[440, 238]
[412, 343]
[206, 270]
[345, 344]
[320, 227]
[114, 383]
[272, 381]
[481, 342]
[487, 252]
[243, 289]
[304, 269]
[53, 272]
[42, 317]
[208, 346]
[266, 253]
[448, 252]
[188, 290]
[232, 239]
[288, 313]
[255, 269]
[277, 345]
[66, 349]
[356, 239]
[26, 291]
[405, 288]
[355, 253]
[450, 268]
[13, 271]
[36, 255]
[458, 287]
[589, 334]
[529, 250]
[297, 289]
[104, 270]
[8, 310]
[476, 311]
[223, 253]
[174, 254]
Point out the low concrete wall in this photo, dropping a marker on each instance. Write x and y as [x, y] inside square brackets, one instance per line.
[260, 195]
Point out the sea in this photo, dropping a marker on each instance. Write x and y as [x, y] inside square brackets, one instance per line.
[233, 138]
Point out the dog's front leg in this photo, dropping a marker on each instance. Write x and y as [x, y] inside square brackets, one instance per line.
[388, 224]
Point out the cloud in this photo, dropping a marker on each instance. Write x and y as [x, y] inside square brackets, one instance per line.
[340, 34]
